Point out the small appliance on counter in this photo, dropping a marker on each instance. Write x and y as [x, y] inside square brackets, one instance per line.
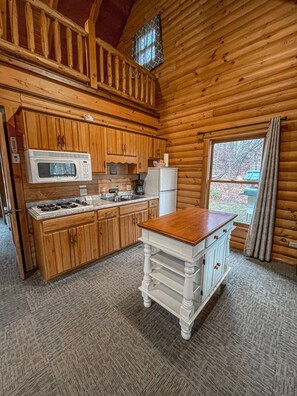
[139, 190]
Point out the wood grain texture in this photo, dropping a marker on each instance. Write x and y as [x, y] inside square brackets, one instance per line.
[191, 225]
[225, 64]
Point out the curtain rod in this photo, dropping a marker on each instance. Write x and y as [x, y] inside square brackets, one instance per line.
[240, 126]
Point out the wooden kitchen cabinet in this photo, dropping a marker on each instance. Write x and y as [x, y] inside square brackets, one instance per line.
[153, 210]
[108, 231]
[98, 148]
[65, 243]
[159, 148]
[144, 151]
[131, 216]
[47, 132]
[121, 143]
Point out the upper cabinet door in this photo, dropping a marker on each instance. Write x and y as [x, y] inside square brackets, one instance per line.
[159, 147]
[98, 148]
[115, 142]
[144, 144]
[121, 143]
[46, 132]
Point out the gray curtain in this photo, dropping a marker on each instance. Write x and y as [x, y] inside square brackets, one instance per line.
[260, 235]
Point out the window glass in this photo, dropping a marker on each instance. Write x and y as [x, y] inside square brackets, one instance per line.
[147, 46]
[233, 163]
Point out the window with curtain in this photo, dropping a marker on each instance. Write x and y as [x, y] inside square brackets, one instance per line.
[234, 177]
[147, 45]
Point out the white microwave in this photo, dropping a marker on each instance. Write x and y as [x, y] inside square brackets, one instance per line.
[57, 166]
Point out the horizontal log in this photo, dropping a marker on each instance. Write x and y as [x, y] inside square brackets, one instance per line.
[236, 245]
[283, 258]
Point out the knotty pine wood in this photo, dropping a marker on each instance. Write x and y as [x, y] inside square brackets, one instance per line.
[226, 63]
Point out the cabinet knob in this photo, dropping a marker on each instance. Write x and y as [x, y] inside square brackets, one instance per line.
[216, 237]
[218, 264]
[224, 230]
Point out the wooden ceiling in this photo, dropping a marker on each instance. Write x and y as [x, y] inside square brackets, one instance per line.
[112, 18]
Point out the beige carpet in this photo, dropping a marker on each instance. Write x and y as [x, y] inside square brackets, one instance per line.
[89, 334]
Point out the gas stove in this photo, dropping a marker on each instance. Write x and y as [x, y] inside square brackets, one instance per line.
[63, 207]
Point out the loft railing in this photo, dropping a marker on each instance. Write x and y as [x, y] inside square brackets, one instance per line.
[119, 73]
[32, 31]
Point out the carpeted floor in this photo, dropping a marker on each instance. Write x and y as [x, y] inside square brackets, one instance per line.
[89, 334]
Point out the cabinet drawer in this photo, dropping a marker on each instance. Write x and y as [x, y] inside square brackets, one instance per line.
[153, 203]
[216, 235]
[68, 221]
[126, 209]
[107, 213]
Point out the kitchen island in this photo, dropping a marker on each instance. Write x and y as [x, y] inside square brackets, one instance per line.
[189, 261]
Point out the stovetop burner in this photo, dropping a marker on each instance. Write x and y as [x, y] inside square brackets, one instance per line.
[62, 205]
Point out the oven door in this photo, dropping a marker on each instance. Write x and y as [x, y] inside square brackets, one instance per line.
[54, 170]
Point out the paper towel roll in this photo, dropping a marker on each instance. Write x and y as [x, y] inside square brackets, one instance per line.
[166, 159]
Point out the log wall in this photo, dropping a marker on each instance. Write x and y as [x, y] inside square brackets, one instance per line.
[226, 63]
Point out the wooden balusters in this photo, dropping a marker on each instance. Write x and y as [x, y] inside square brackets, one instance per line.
[80, 61]
[69, 47]
[30, 26]
[91, 47]
[152, 96]
[3, 19]
[101, 63]
[146, 89]
[141, 87]
[44, 34]
[117, 72]
[57, 41]
[13, 17]
[124, 83]
[109, 69]
[136, 83]
[130, 80]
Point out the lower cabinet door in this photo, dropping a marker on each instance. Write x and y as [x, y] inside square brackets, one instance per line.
[84, 244]
[140, 217]
[57, 253]
[128, 229]
[153, 213]
[109, 236]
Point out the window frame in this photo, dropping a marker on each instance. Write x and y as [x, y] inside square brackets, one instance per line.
[208, 149]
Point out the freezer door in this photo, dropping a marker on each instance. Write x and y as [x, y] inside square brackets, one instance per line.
[168, 179]
[167, 202]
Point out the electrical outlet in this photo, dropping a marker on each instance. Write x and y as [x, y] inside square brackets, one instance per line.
[293, 244]
[83, 190]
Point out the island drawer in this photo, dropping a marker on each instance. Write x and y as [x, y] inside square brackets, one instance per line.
[107, 213]
[126, 209]
[70, 221]
[216, 235]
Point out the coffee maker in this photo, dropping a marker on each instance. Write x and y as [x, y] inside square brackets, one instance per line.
[139, 187]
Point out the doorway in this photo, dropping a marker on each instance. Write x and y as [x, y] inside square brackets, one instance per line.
[10, 241]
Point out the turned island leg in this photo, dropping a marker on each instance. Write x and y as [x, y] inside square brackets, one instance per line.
[147, 281]
[187, 307]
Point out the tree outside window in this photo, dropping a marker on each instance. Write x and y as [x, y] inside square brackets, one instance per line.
[234, 177]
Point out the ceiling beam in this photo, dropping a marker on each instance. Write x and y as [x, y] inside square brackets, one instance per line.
[94, 12]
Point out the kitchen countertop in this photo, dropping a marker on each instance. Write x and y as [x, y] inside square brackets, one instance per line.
[190, 225]
[96, 203]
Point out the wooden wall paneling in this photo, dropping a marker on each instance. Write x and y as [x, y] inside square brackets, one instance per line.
[245, 73]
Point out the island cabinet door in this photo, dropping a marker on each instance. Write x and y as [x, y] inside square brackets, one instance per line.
[218, 270]
[84, 244]
[109, 236]
[208, 269]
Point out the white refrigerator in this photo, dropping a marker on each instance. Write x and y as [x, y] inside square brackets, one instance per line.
[162, 182]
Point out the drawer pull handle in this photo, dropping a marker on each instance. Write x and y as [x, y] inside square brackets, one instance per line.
[216, 237]
[224, 230]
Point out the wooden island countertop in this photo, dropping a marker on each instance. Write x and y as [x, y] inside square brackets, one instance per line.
[190, 225]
